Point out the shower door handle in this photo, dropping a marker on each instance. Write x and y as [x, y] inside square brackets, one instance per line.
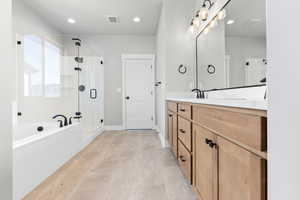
[93, 93]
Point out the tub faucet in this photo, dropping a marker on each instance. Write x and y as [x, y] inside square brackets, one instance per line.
[65, 119]
[70, 120]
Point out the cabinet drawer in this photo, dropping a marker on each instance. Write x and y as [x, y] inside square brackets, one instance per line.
[185, 110]
[185, 161]
[247, 129]
[184, 132]
[172, 106]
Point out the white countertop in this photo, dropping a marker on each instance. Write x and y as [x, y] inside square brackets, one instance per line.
[237, 103]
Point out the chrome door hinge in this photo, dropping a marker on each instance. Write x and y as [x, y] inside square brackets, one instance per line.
[152, 118]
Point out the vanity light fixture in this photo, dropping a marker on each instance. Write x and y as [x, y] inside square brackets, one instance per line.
[196, 20]
[206, 6]
[71, 21]
[192, 28]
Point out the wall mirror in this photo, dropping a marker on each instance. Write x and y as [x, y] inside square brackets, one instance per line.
[232, 52]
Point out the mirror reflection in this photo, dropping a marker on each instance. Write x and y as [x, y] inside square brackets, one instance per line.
[233, 52]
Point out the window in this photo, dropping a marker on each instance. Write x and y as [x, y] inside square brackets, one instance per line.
[42, 65]
[33, 66]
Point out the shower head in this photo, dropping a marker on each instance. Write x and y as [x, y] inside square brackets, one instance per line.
[79, 59]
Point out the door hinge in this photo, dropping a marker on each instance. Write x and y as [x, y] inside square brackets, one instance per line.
[151, 67]
[152, 118]
[151, 93]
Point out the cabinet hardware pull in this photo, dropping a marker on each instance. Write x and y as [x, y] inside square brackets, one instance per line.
[182, 158]
[182, 131]
[182, 110]
[207, 141]
[213, 145]
[170, 115]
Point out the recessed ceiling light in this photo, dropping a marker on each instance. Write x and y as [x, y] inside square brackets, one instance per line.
[137, 19]
[231, 21]
[71, 21]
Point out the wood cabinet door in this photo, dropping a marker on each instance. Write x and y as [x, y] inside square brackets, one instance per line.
[242, 175]
[170, 128]
[175, 135]
[204, 164]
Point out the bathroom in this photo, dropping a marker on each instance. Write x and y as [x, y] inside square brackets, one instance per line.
[189, 98]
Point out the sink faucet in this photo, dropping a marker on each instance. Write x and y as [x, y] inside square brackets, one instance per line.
[200, 93]
[65, 119]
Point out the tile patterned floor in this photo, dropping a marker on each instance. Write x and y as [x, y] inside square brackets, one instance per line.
[118, 166]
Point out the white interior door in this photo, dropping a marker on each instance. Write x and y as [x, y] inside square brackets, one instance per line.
[138, 93]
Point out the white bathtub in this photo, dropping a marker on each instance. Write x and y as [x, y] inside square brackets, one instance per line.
[37, 155]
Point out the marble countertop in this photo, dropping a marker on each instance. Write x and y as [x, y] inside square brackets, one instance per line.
[237, 103]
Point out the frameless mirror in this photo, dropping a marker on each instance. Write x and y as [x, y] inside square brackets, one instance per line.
[233, 52]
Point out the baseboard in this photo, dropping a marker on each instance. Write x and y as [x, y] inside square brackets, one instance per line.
[113, 128]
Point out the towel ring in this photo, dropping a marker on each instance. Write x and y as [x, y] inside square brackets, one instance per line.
[182, 69]
[211, 69]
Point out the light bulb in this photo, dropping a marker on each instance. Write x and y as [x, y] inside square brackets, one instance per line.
[206, 30]
[192, 29]
[213, 23]
[203, 13]
[222, 14]
[196, 21]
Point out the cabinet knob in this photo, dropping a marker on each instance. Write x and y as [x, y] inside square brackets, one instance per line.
[170, 115]
[182, 158]
[213, 145]
[182, 131]
[208, 141]
[182, 110]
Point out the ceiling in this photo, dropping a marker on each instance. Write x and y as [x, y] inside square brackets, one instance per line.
[249, 17]
[90, 15]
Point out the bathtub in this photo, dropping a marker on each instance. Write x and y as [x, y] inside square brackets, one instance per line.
[37, 155]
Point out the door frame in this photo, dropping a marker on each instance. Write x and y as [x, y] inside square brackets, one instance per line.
[125, 57]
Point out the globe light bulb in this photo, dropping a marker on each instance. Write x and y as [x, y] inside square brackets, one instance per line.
[222, 14]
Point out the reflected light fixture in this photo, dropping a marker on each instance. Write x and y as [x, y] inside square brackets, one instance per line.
[196, 20]
[192, 28]
[71, 21]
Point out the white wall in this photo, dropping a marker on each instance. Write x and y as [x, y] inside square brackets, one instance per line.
[111, 47]
[284, 99]
[7, 88]
[180, 45]
[174, 46]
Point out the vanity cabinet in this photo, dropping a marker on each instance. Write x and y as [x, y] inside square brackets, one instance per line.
[222, 151]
